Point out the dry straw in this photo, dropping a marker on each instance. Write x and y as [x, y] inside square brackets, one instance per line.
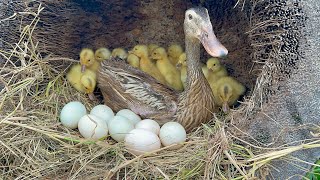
[33, 144]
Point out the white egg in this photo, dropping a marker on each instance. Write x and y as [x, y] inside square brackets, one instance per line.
[92, 127]
[140, 141]
[103, 112]
[127, 113]
[119, 127]
[71, 114]
[172, 133]
[149, 125]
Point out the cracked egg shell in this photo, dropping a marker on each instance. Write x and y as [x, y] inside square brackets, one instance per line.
[92, 127]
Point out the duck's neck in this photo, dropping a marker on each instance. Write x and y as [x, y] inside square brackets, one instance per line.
[194, 72]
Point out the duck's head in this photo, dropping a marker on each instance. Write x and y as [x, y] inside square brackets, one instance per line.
[133, 60]
[120, 53]
[175, 50]
[88, 83]
[140, 50]
[152, 47]
[158, 53]
[182, 60]
[225, 93]
[102, 54]
[213, 64]
[197, 24]
[86, 58]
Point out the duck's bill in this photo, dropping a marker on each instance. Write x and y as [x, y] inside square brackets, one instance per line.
[92, 97]
[225, 107]
[83, 68]
[212, 45]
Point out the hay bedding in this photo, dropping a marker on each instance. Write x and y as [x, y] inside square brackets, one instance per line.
[39, 41]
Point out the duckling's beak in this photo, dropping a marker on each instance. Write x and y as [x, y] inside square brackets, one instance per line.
[211, 44]
[83, 68]
[225, 107]
[92, 97]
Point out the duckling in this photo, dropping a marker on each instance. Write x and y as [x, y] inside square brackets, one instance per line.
[83, 82]
[120, 53]
[151, 47]
[133, 60]
[216, 70]
[102, 54]
[174, 51]
[226, 92]
[87, 60]
[182, 65]
[146, 65]
[170, 73]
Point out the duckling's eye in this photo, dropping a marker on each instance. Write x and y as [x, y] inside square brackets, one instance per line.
[206, 34]
[89, 60]
[135, 48]
[190, 16]
[214, 64]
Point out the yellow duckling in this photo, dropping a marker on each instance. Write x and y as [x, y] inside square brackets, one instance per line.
[120, 53]
[226, 92]
[133, 60]
[174, 52]
[182, 65]
[102, 54]
[87, 60]
[145, 63]
[216, 70]
[151, 47]
[170, 73]
[83, 82]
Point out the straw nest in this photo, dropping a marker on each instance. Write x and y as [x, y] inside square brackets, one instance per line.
[34, 144]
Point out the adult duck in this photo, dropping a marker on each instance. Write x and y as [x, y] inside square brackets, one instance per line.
[123, 86]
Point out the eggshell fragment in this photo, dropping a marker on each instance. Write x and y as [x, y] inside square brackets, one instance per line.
[119, 127]
[172, 133]
[127, 113]
[149, 125]
[103, 112]
[71, 114]
[140, 141]
[92, 127]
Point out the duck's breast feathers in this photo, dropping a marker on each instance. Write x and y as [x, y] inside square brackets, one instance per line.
[134, 85]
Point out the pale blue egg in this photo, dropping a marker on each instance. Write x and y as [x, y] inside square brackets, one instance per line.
[71, 114]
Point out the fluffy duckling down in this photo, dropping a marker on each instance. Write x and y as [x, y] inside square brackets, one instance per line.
[152, 47]
[146, 65]
[182, 65]
[82, 82]
[120, 53]
[102, 54]
[226, 92]
[216, 69]
[88, 61]
[174, 52]
[133, 60]
[168, 70]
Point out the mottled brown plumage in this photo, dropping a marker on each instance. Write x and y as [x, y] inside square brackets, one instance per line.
[123, 86]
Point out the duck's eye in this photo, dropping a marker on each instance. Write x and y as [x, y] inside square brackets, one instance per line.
[190, 16]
